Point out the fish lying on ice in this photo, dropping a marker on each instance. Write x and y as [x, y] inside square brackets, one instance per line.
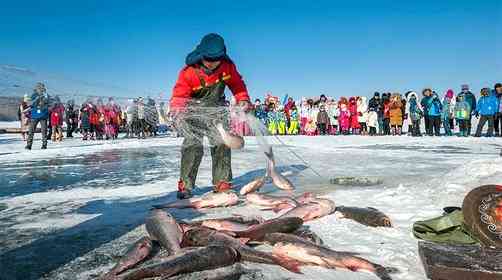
[206, 237]
[258, 232]
[271, 202]
[306, 252]
[209, 200]
[136, 254]
[197, 259]
[232, 272]
[252, 186]
[317, 208]
[162, 227]
[367, 216]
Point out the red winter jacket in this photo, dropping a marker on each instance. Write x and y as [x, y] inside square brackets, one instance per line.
[188, 83]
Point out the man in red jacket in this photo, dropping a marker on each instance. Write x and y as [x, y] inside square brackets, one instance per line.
[198, 103]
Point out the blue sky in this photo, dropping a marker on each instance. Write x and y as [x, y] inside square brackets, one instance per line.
[302, 48]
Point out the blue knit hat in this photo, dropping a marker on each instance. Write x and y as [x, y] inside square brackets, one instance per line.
[211, 47]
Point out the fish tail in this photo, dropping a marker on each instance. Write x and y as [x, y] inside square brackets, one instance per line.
[269, 154]
[383, 272]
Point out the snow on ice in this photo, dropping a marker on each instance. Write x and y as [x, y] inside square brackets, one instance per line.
[72, 209]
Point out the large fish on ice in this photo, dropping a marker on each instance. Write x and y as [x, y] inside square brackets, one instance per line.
[306, 252]
[197, 259]
[317, 208]
[209, 200]
[367, 216]
[206, 237]
[252, 186]
[270, 201]
[136, 254]
[162, 227]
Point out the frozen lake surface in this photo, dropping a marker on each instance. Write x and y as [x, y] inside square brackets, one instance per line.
[69, 211]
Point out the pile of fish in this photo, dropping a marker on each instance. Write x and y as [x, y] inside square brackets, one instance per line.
[215, 248]
[207, 245]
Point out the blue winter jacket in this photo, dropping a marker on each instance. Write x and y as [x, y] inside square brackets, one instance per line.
[487, 105]
[39, 106]
[434, 107]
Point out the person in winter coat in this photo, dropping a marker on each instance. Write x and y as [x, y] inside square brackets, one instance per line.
[372, 121]
[376, 103]
[141, 119]
[415, 113]
[71, 118]
[386, 113]
[362, 112]
[293, 125]
[497, 92]
[272, 120]
[24, 115]
[486, 108]
[434, 110]
[354, 116]
[462, 115]
[57, 116]
[281, 121]
[322, 120]
[201, 84]
[287, 111]
[260, 111]
[39, 114]
[396, 114]
[344, 116]
[304, 114]
[86, 113]
[333, 113]
[424, 103]
[447, 113]
[471, 99]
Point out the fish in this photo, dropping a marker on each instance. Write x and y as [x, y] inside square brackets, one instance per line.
[205, 237]
[368, 216]
[258, 232]
[209, 200]
[301, 199]
[187, 261]
[226, 226]
[308, 235]
[162, 227]
[252, 186]
[277, 178]
[232, 272]
[317, 208]
[309, 253]
[271, 202]
[138, 252]
[230, 140]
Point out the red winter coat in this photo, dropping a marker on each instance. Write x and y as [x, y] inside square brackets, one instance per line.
[57, 115]
[287, 109]
[188, 83]
[354, 122]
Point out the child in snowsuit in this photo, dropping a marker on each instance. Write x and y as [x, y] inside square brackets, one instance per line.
[281, 121]
[462, 115]
[57, 113]
[272, 120]
[293, 121]
[85, 121]
[362, 113]
[414, 113]
[322, 120]
[333, 117]
[24, 115]
[344, 117]
[396, 114]
[487, 107]
[372, 121]
[354, 116]
[434, 109]
[447, 113]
